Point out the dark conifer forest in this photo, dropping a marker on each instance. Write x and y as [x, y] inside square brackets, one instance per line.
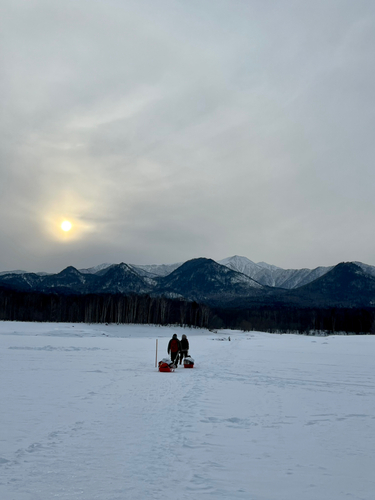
[100, 308]
[144, 309]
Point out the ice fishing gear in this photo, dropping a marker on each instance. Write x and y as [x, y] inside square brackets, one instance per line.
[166, 365]
[188, 362]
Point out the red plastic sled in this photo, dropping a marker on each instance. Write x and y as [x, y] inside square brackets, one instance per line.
[188, 362]
[164, 367]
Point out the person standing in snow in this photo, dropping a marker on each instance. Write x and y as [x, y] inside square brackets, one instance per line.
[184, 347]
[174, 348]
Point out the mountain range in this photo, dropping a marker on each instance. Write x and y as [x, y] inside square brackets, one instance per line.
[232, 282]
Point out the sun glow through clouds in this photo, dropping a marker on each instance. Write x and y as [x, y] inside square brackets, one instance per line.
[66, 225]
[68, 218]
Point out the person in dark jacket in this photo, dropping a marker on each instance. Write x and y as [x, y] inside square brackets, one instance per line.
[174, 348]
[184, 347]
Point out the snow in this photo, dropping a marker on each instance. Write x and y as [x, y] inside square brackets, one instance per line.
[95, 269]
[270, 275]
[86, 415]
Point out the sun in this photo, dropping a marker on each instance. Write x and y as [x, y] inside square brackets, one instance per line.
[66, 225]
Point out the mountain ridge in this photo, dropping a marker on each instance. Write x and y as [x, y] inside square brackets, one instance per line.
[263, 273]
[207, 281]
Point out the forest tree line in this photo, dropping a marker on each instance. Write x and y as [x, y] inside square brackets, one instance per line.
[144, 309]
[101, 308]
[281, 318]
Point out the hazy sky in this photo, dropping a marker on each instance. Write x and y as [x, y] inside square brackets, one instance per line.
[166, 130]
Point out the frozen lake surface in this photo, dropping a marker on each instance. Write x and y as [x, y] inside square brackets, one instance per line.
[86, 415]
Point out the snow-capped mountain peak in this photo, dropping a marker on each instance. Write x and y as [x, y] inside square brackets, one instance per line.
[240, 264]
[95, 269]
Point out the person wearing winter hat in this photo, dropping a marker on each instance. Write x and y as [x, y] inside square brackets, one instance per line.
[174, 348]
[184, 347]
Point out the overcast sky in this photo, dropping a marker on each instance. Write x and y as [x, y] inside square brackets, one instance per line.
[165, 130]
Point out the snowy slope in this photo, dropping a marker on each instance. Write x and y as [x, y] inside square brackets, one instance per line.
[366, 268]
[241, 265]
[157, 269]
[95, 269]
[85, 415]
[17, 271]
[274, 276]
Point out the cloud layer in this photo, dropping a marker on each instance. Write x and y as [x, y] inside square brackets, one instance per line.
[171, 130]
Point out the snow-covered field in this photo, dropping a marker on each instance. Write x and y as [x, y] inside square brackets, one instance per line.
[86, 415]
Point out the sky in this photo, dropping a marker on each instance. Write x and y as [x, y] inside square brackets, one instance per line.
[169, 130]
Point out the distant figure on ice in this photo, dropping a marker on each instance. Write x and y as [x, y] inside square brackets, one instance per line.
[174, 348]
[184, 347]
